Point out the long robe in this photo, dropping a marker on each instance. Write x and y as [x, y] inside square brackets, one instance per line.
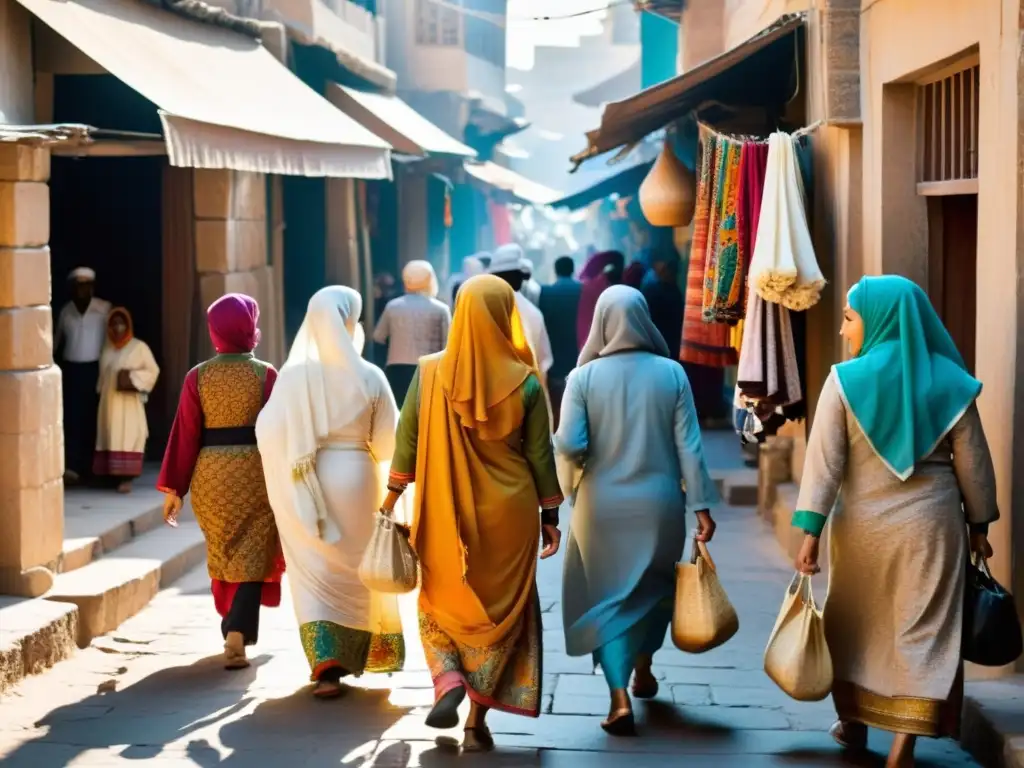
[121, 427]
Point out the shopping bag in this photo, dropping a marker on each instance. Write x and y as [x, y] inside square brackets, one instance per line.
[702, 617]
[797, 657]
[992, 632]
[389, 565]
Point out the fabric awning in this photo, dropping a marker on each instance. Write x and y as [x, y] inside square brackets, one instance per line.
[521, 189]
[390, 118]
[758, 72]
[608, 178]
[224, 100]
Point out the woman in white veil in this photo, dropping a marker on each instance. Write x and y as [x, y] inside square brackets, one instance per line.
[327, 436]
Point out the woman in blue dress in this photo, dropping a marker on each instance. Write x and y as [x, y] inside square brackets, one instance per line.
[627, 445]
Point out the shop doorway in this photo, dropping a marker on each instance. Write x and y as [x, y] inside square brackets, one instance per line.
[953, 267]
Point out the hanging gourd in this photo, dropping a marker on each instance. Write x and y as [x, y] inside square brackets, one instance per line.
[668, 194]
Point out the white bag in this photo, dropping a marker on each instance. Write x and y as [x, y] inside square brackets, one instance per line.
[389, 565]
[797, 657]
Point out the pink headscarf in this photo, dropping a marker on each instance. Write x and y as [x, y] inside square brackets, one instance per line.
[232, 322]
[595, 281]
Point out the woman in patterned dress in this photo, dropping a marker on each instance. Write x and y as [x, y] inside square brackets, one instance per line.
[473, 436]
[324, 436]
[212, 452]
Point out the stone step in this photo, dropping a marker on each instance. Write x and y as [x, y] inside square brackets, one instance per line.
[993, 725]
[738, 487]
[34, 635]
[112, 589]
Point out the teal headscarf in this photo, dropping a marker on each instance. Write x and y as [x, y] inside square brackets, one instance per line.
[909, 386]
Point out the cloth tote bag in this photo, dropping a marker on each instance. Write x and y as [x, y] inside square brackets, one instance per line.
[389, 565]
[702, 618]
[797, 657]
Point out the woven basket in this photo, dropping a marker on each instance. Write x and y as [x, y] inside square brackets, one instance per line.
[703, 618]
[668, 194]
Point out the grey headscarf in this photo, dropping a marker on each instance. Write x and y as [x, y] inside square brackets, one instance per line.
[622, 322]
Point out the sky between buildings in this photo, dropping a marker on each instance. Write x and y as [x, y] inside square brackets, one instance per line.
[524, 35]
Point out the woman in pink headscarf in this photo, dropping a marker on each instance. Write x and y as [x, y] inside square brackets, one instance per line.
[601, 271]
[212, 452]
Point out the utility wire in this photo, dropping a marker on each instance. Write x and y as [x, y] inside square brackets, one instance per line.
[500, 20]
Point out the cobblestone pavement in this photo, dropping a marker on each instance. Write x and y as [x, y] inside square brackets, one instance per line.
[153, 693]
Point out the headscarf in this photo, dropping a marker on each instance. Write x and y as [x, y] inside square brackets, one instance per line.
[129, 335]
[622, 322]
[487, 359]
[232, 320]
[595, 281]
[418, 276]
[908, 386]
[324, 375]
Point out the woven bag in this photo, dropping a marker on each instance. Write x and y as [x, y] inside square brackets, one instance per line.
[797, 658]
[702, 618]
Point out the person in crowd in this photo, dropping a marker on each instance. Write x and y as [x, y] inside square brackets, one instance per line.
[471, 266]
[531, 288]
[897, 440]
[78, 343]
[128, 374]
[634, 275]
[559, 304]
[212, 452]
[508, 264]
[666, 301]
[601, 271]
[413, 325]
[383, 291]
[628, 415]
[474, 438]
[324, 436]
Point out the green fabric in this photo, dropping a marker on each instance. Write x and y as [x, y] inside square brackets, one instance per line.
[536, 436]
[908, 386]
[809, 522]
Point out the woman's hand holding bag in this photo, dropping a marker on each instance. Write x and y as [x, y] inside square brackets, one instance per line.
[797, 658]
[389, 565]
[702, 618]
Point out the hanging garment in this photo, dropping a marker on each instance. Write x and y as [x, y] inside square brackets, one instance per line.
[703, 343]
[784, 268]
[753, 164]
[722, 264]
[768, 370]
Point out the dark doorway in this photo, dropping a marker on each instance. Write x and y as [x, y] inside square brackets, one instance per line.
[953, 267]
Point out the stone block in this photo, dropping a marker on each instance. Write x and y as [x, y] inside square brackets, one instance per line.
[230, 246]
[32, 525]
[842, 40]
[30, 400]
[26, 338]
[24, 276]
[24, 213]
[34, 635]
[223, 194]
[32, 459]
[843, 96]
[21, 162]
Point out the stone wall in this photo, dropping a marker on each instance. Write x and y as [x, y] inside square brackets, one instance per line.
[32, 430]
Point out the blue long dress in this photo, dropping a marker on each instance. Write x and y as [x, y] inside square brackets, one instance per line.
[628, 420]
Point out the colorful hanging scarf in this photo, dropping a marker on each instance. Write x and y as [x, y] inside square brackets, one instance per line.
[722, 266]
[748, 213]
[703, 343]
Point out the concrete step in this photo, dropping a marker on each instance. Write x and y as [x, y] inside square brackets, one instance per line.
[34, 635]
[112, 589]
[993, 725]
[738, 487]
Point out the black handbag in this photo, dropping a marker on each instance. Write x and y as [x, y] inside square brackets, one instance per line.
[992, 631]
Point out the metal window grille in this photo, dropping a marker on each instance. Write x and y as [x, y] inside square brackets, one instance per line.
[437, 24]
[947, 109]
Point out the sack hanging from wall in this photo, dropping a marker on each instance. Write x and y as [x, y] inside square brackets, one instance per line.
[668, 194]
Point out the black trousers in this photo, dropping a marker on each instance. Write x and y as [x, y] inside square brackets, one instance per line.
[400, 377]
[81, 405]
[244, 615]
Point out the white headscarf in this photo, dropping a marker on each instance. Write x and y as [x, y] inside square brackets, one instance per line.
[418, 276]
[324, 362]
[622, 322]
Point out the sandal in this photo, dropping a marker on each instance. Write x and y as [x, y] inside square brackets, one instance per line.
[445, 713]
[645, 686]
[327, 689]
[234, 653]
[849, 735]
[620, 723]
[477, 739]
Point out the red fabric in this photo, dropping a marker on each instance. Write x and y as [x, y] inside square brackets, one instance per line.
[185, 442]
[634, 275]
[753, 165]
[501, 223]
[233, 320]
[117, 463]
[594, 281]
[224, 591]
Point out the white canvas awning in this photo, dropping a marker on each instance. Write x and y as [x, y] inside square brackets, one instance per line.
[224, 100]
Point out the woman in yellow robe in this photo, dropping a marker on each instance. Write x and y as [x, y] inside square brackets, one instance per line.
[474, 437]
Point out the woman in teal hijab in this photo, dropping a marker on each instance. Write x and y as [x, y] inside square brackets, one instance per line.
[898, 465]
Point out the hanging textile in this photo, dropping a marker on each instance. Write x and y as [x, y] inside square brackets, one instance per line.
[723, 301]
[784, 268]
[768, 369]
[703, 343]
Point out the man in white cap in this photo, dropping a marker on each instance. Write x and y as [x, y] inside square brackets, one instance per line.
[78, 341]
[531, 288]
[507, 263]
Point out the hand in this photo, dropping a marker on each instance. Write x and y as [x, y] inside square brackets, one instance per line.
[124, 381]
[807, 560]
[552, 537]
[172, 508]
[705, 526]
[980, 545]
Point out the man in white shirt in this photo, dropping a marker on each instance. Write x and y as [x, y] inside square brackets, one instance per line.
[80, 333]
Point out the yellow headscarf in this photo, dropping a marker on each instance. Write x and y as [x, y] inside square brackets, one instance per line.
[487, 359]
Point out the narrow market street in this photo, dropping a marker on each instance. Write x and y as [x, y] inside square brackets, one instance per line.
[153, 693]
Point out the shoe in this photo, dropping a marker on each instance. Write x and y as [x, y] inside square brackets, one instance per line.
[849, 735]
[234, 652]
[445, 713]
[478, 739]
[645, 686]
[620, 723]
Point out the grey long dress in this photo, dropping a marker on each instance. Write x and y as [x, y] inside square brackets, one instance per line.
[897, 559]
